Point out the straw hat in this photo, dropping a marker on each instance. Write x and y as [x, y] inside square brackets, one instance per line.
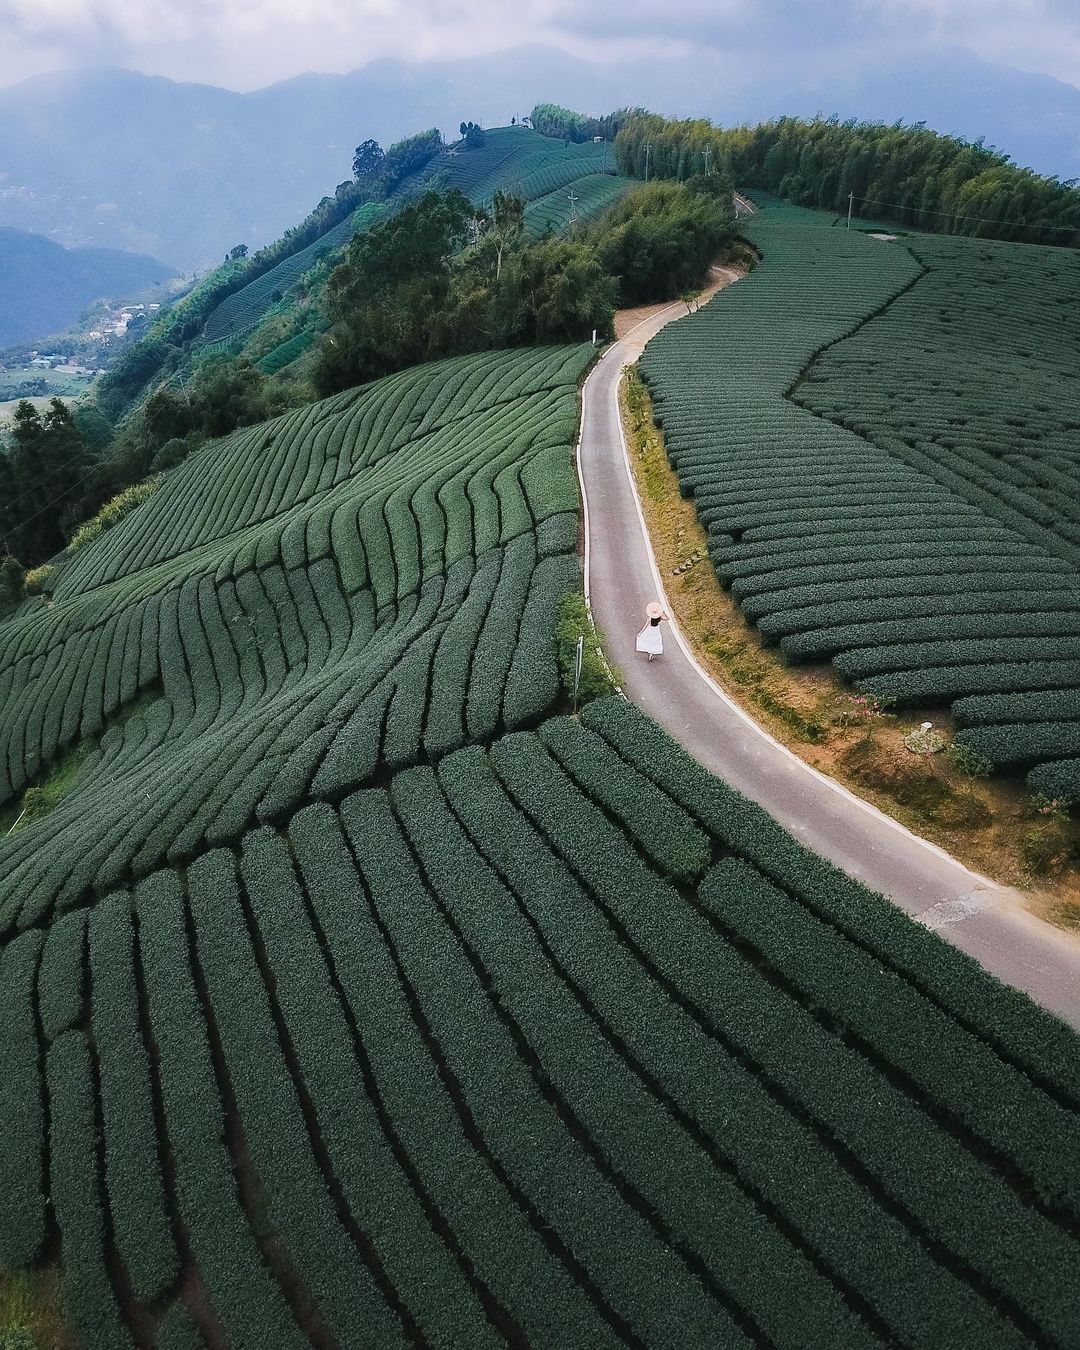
[654, 610]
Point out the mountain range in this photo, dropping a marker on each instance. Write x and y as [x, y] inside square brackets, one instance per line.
[44, 287]
[119, 159]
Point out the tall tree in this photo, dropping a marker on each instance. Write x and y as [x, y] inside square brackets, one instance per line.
[45, 463]
[508, 214]
[367, 159]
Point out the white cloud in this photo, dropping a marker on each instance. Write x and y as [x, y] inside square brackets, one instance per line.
[245, 43]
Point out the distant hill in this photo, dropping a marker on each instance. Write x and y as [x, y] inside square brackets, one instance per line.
[185, 171]
[43, 287]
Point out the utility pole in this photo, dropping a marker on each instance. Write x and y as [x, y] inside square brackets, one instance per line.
[850, 204]
[708, 152]
[648, 151]
[573, 199]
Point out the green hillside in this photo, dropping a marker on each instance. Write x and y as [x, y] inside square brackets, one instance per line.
[44, 288]
[888, 471]
[511, 159]
[552, 212]
[240, 312]
[353, 993]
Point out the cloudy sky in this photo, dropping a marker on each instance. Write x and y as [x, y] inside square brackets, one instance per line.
[244, 44]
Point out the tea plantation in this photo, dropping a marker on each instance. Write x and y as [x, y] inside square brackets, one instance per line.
[240, 312]
[881, 439]
[551, 213]
[514, 159]
[354, 996]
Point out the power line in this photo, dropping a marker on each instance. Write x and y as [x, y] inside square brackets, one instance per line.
[29, 492]
[985, 220]
[48, 505]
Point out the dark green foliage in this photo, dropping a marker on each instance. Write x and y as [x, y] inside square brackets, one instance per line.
[299, 1205]
[1059, 781]
[408, 291]
[472, 135]
[60, 977]
[177, 1330]
[133, 1176]
[407, 157]
[885, 469]
[76, 1196]
[1024, 744]
[249, 1304]
[368, 159]
[41, 471]
[660, 829]
[549, 119]
[902, 173]
[12, 584]
[285, 352]
[22, 1158]
[661, 239]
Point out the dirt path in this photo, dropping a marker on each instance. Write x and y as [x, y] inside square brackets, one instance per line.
[986, 920]
[626, 320]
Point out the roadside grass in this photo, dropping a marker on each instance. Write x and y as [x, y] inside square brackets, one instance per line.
[31, 1312]
[42, 797]
[992, 825]
[598, 679]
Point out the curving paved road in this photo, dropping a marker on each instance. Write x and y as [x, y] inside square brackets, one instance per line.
[986, 920]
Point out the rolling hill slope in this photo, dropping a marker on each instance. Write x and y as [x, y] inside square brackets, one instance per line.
[511, 159]
[355, 994]
[216, 167]
[888, 472]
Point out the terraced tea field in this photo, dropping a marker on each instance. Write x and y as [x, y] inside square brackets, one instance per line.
[245, 309]
[354, 996]
[518, 160]
[512, 159]
[880, 439]
[551, 213]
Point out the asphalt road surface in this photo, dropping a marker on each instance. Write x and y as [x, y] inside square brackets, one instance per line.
[982, 918]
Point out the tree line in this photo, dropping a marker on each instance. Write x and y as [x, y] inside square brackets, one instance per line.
[443, 277]
[907, 174]
[549, 119]
[376, 175]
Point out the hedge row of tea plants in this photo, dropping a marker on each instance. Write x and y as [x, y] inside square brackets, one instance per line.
[554, 1040]
[878, 436]
[353, 996]
[365, 582]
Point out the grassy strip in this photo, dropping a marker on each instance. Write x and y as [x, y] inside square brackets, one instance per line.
[31, 1312]
[990, 825]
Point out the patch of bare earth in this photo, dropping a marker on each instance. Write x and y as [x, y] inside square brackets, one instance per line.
[990, 825]
[628, 319]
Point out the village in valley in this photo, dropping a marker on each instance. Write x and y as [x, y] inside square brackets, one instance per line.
[66, 366]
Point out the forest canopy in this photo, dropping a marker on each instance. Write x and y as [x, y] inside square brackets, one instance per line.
[907, 174]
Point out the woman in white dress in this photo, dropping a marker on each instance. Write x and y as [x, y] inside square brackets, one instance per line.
[649, 639]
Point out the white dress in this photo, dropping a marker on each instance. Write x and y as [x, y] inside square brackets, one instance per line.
[649, 640]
